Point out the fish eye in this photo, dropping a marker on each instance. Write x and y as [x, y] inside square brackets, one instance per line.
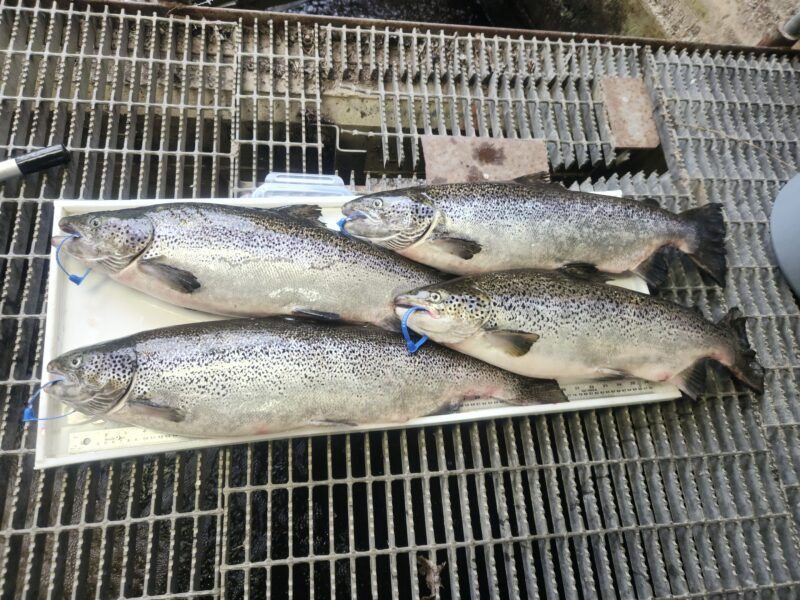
[75, 361]
[435, 297]
[95, 222]
[377, 203]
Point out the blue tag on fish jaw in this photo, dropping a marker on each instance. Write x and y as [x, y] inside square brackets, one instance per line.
[29, 416]
[410, 343]
[76, 279]
[340, 224]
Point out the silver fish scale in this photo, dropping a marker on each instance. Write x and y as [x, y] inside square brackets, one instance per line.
[679, 499]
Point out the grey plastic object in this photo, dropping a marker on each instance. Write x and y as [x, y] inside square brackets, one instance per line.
[301, 184]
[784, 225]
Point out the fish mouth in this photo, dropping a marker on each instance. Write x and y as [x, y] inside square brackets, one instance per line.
[402, 305]
[67, 227]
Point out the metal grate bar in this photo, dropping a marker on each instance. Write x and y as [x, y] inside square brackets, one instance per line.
[679, 500]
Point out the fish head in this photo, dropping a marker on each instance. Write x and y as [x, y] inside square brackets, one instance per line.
[110, 239]
[448, 313]
[393, 220]
[93, 380]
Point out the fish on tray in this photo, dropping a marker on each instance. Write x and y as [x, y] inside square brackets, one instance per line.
[469, 228]
[570, 326]
[253, 376]
[238, 261]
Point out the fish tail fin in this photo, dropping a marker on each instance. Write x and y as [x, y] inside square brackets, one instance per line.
[707, 246]
[539, 391]
[745, 367]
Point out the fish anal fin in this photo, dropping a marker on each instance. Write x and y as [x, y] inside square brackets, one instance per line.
[605, 374]
[543, 391]
[534, 178]
[692, 381]
[319, 315]
[513, 343]
[464, 249]
[655, 269]
[154, 410]
[332, 423]
[175, 278]
[450, 407]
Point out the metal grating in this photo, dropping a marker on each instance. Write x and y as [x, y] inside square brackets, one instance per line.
[678, 500]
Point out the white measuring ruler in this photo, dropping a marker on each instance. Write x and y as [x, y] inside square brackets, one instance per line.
[632, 390]
[117, 437]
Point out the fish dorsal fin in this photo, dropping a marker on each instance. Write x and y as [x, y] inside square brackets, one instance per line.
[585, 271]
[534, 178]
[302, 212]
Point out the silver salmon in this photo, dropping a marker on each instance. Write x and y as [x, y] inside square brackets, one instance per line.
[253, 376]
[564, 326]
[469, 228]
[237, 261]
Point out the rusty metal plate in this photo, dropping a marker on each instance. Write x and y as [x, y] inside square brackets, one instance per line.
[630, 112]
[450, 159]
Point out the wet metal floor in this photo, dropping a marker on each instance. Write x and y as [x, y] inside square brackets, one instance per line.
[680, 499]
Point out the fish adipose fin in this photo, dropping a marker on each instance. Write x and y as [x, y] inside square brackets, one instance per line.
[707, 248]
[655, 269]
[173, 277]
[465, 249]
[586, 271]
[534, 178]
[157, 411]
[319, 315]
[514, 343]
[745, 366]
[303, 212]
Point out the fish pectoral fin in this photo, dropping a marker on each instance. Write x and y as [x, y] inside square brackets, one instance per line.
[585, 271]
[331, 423]
[514, 343]
[177, 279]
[461, 248]
[534, 178]
[303, 212]
[157, 411]
[319, 315]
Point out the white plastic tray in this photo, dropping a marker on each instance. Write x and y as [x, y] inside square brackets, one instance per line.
[101, 309]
